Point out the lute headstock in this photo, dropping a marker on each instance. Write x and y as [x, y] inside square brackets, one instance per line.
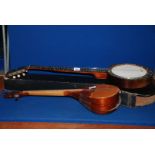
[12, 94]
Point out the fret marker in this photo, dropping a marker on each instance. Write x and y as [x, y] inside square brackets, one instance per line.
[18, 75]
[94, 68]
[77, 69]
[92, 87]
[14, 77]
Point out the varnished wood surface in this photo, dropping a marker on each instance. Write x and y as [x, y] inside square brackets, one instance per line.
[44, 125]
[100, 99]
[1, 82]
[97, 74]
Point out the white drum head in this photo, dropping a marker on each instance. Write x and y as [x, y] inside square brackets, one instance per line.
[129, 71]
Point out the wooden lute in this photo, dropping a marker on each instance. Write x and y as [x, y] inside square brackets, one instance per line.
[100, 99]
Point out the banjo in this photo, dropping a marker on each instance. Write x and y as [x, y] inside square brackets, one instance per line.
[125, 76]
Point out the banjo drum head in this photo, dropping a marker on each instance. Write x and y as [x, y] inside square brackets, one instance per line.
[130, 76]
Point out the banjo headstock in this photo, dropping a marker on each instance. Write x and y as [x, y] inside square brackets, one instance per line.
[17, 74]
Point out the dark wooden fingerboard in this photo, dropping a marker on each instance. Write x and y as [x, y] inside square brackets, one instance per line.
[72, 69]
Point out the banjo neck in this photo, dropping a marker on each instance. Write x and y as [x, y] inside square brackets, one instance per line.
[98, 73]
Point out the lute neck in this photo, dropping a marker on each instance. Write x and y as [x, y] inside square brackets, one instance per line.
[65, 92]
